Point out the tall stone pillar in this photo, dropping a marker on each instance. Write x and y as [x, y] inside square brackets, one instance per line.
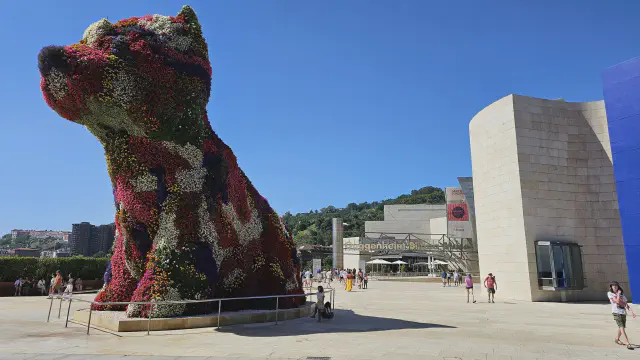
[337, 243]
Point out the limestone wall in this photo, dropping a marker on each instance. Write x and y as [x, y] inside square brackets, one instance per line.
[568, 189]
[542, 171]
[498, 203]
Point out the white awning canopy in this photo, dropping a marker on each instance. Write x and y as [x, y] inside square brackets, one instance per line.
[379, 261]
[399, 262]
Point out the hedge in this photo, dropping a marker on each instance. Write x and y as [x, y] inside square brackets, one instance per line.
[11, 268]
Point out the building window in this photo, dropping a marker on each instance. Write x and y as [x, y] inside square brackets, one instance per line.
[559, 265]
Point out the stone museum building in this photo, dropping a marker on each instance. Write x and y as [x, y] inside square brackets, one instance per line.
[556, 191]
[546, 208]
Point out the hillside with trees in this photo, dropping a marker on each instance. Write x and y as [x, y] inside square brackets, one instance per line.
[314, 227]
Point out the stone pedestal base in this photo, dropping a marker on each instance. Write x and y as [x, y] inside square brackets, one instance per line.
[117, 320]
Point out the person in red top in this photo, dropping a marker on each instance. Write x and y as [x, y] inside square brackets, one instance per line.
[491, 285]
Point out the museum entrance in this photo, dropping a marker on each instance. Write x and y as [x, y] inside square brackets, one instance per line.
[416, 254]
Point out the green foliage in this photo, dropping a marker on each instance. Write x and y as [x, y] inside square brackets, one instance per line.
[26, 241]
[327, 262]
[314, 227]
[12, 267]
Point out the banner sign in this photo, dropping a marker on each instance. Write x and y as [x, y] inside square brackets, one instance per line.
[458, 224]
[457, 212]
[317, 266]
[454, 195]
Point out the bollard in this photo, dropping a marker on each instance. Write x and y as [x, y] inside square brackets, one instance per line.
[149, 321]
[50, 306]
[277, 306]
[89, 322]
[60, 307]
[219, 309]
[68, 310]
[333, 302]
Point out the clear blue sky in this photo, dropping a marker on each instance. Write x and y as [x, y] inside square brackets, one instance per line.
[323, 102]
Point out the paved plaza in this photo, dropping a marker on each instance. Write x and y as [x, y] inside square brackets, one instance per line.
[390, 320]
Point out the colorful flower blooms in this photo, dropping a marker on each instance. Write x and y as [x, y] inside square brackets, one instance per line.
[189, 223]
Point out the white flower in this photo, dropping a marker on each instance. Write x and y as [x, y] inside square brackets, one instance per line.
[95, 30]
[136, 268]
[160, 310]
[124, 87]
[168, 310]
[146, 182]
[109, 114]
[292, 284]
[180, 43]
[167, 234]
[248, 231]
[191, 180]
[207, 232]
[192, 154]
[57, 84]
[234, 279]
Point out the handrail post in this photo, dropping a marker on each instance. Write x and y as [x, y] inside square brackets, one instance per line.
[277, 306]
[60, 307]
[219, 310]
[68, 310]
[149, 321]
[333, 303]
[50, 306]
[89, 322]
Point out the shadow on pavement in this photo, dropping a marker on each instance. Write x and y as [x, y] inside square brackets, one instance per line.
[345, 321]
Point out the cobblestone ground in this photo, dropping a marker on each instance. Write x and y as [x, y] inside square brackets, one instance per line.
[390, 320]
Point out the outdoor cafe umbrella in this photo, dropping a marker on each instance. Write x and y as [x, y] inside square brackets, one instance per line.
[399, 262]
[379, 262]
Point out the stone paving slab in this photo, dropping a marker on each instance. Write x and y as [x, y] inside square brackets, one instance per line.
[390, 320]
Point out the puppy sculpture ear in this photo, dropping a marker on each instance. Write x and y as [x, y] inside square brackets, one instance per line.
[189, 15]
[96, 30]
[194, 30]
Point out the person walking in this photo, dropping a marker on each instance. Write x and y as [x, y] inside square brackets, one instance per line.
[41, 287]
[455, 278]
[18, 285]
[328, 277]
[79, 284]
[444, 278]
[492, 286]
[449, 276]
[349, 281]
[57, 286]
[366, 280]
[52, 283]
[468, 281]
[619, 307]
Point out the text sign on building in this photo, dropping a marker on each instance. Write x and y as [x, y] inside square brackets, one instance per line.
[458, 224]
[454, 195]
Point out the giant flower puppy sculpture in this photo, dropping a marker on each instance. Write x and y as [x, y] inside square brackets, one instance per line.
[189, 224]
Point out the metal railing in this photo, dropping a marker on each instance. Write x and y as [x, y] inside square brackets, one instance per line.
[70, 298]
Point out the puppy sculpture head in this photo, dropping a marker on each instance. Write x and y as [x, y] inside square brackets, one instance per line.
[147, 76]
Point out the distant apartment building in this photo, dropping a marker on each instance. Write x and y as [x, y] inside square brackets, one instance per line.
[55, 254]
[104, 238]
[87, 239]
[26, 252]
[41, 234]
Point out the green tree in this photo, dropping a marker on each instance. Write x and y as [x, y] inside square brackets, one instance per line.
[100, 254]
